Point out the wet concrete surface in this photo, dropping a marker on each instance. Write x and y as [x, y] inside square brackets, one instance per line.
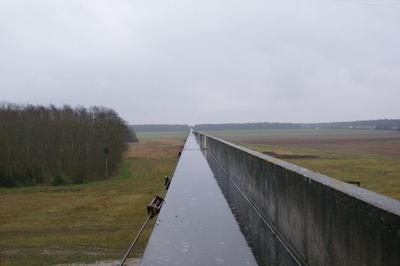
[291, 215]
[196, 225]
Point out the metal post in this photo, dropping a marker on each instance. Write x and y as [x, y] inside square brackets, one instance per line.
[106, 162]
[106, 167]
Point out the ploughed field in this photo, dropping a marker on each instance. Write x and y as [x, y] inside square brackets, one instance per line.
[45, 225]
[371, 157]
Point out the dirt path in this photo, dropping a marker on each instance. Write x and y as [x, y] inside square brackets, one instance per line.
[129, 262]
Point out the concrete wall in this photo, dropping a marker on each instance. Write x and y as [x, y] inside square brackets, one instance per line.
[291, 216]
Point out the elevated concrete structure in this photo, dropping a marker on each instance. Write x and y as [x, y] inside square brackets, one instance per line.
[195, 225]
[293, 216]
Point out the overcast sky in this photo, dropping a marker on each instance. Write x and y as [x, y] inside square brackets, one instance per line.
[205, 61]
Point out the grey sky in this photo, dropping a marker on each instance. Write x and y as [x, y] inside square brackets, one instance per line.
[205, 61]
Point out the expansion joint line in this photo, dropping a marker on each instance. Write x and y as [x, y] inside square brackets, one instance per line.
[275, 232]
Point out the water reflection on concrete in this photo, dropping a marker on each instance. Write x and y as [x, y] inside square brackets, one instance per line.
[266, 247]
[196, 225]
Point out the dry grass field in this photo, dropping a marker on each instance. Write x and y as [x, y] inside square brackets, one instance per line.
[46, 225]
[369, 156]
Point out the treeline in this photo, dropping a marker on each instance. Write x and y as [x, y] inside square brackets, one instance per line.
[384, 124]
[246, 126]
[160, 128]
[41, 144]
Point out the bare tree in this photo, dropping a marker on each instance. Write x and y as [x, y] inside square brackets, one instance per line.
[41, 144]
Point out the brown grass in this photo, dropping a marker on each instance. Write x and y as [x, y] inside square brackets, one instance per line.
[382, 146]
[155, 149]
